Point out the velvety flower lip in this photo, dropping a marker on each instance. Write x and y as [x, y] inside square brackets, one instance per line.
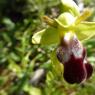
[68, 47]
[89, 69]
[73, 56]
[88, 66]
[74, 70]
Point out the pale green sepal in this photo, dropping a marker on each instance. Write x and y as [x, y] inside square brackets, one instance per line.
[65, 19]
[70, 6]
[36, 39]
[50, 36]
[85, 30]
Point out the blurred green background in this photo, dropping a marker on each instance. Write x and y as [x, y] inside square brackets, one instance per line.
[25, 69]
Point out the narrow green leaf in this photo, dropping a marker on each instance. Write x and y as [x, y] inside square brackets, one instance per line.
[36, 39]
[85, 30]
[70, 6]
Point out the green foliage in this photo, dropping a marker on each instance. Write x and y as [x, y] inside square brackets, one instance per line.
[19, 58]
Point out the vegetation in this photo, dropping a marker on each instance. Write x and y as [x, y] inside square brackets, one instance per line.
[25, 68]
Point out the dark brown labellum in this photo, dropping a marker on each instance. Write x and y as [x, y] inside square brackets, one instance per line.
[74, 70]
[73, 56]
[89, 70]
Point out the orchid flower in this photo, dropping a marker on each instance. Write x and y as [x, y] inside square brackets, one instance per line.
[68, 31]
